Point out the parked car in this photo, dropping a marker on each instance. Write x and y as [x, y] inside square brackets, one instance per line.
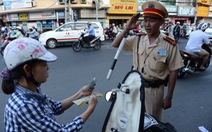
[68, 33]
[208, 31]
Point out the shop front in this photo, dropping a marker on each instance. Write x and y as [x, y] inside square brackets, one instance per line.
[120, 11]
[43, 21]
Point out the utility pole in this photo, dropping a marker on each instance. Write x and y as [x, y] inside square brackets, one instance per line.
[67, 11]
[97, 3]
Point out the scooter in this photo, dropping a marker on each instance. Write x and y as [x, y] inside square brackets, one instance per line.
[127, 110]
[192, 62]
[83, 43]
[5, 43]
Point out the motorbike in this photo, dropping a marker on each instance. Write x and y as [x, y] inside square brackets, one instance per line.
[5, 43]
[150, 123]
[83, 43]
[127, 110]
[192, 62]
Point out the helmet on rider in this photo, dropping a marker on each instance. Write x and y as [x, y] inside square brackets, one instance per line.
[18, 27]
[203, 26]
[22, 50]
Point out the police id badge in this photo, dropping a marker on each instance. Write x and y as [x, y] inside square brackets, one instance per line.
[162, 52]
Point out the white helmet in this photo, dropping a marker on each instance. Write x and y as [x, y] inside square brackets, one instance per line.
[24, 49]
[203, 26]
[18, 27]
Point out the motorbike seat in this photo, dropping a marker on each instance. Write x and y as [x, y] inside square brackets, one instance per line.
[191, 53]
[93, 40]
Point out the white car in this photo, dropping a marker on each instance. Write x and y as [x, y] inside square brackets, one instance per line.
[208, 31]
[68, 33]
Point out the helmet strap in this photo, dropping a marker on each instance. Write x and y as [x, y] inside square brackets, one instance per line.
[31, 77]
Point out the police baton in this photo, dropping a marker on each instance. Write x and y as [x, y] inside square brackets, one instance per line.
[115, 58]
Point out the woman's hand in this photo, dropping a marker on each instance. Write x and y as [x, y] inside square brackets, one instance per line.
[84, 91]
[92, 101]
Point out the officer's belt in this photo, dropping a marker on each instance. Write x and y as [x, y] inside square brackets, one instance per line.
[153, 84]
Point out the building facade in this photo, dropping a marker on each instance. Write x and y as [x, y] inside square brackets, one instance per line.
[49, 14]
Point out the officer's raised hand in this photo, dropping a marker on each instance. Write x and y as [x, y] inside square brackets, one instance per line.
[132, 23]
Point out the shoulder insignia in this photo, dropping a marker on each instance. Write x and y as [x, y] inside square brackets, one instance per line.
[170, 40]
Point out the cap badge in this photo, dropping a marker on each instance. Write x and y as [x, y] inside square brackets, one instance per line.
[151, 5]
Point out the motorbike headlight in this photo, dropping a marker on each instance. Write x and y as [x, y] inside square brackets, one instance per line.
[185, 55]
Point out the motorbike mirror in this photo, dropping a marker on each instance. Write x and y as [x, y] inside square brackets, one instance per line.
[110, 96]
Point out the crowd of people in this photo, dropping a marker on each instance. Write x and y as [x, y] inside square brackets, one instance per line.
[175, 30]
[114, 29]
[10, 33]
[14, 32]
[178, 30]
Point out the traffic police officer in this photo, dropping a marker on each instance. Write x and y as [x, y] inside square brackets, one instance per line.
[155, 55]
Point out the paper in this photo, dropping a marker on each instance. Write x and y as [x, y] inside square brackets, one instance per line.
[85, 100]
[203, 129]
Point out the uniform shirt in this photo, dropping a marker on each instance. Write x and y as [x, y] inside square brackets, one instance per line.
[91, 31]
[155, 60]
[29, 111]
[196, 39]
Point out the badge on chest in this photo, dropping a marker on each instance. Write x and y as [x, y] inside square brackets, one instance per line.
[162, 52]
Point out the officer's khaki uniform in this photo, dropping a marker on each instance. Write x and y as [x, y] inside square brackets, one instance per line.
[156, 60]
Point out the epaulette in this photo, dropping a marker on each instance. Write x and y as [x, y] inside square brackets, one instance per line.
[170, 40]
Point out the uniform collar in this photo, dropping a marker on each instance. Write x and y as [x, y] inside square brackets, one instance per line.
[156, 42]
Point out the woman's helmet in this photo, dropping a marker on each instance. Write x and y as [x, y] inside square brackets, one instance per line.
[24, 49]
[203, 26]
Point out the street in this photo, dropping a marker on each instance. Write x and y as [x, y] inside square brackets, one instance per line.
[191, 102]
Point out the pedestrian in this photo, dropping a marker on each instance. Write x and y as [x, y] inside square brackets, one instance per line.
[177, 31]
[28, 108]
[155, 55]
[170, 29]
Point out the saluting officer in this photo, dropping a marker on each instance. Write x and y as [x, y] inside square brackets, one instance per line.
[155, 55]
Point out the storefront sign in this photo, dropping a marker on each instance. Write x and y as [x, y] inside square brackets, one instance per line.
[203, 11]
[23, 16]
[90, 14]
[123, 6]
[204, 2]
[186, 11]
[42, 15]
[14, 4]
[13, 17]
